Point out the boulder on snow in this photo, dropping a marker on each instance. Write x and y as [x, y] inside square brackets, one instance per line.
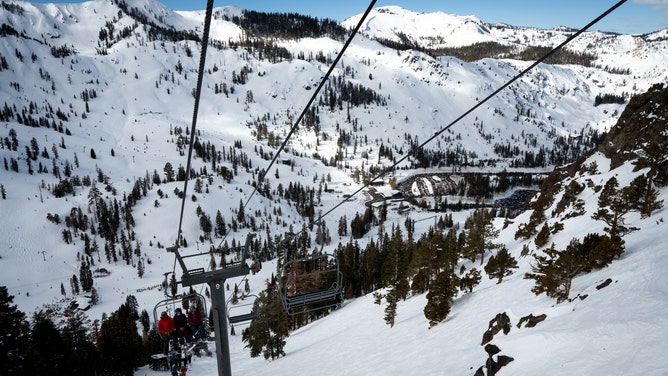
[498, 323]
[531, 320]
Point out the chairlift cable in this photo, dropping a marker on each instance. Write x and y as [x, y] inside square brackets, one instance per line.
[308, 105]
[193, 128]
[473, 108]
[490, 96]
[315, 94]
[303, 300]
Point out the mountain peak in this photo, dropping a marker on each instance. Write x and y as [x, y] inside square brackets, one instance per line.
[437, 29]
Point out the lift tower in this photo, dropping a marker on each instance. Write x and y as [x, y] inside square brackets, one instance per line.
[216, 281]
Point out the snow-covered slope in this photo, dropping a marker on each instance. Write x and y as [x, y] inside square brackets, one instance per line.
[90, 77]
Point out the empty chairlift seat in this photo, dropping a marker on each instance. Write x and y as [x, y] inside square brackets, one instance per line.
[242, 312]
[311, 283]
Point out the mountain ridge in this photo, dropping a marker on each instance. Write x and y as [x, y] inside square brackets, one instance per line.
[115, 114]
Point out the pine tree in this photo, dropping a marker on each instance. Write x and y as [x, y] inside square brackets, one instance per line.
[94, 296]
[84, 357]
[235, 295]
[85, 276]
[542, 237]
[145, 324]
[613, 205]
[554, 271]
[500, 265]
[653, 155]
[74, 283]
[395, 267]
[599, 251]
[441, 293]
[119, 343]
[212, 262]
[14, 337]
[48, 355]
[140, 268]
[470, 280]
[181, 173]
[205, 225]
[391, 308]
[547, 275]
[241, 215]
[480, 236]
[221, 228]
[642, 197]
[169, 172]
[266, 334]
[343, 226]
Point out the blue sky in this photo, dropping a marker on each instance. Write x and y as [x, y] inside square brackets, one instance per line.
[633, 17]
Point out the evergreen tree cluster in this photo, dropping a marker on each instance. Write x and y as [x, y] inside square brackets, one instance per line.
[5, 29]
[74, 346]
[339, 90]
[554, 270]
[262, 29]
[36, 116]
[494, 50]
[395, 261]
[563, 150]
[12, 8]
[287, 26]
[405, 265]
[303, 198]
[63, 51]
[609, 98]
[264, 49]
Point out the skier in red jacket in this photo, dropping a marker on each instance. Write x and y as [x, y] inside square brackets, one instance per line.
[166, 329]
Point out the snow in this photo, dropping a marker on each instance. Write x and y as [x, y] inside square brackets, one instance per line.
[390, 21]
[617, 330]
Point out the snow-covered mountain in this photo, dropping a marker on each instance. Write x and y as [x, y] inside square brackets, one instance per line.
[97, 97]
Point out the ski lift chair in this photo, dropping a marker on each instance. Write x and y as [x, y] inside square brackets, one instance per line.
[241, 313]
[170, 304]
[311, 284]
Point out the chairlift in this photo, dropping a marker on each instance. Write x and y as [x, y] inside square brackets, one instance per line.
[311, 284]
[242, 312]
[184, 301]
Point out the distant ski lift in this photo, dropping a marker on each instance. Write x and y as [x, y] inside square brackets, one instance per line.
[311, 284]
[242, 312]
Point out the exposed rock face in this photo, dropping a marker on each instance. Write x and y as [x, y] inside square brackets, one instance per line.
[604, 284]
[492, 349]
[531, 320]
[498, 323]
[493, 366]
[644, 121]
